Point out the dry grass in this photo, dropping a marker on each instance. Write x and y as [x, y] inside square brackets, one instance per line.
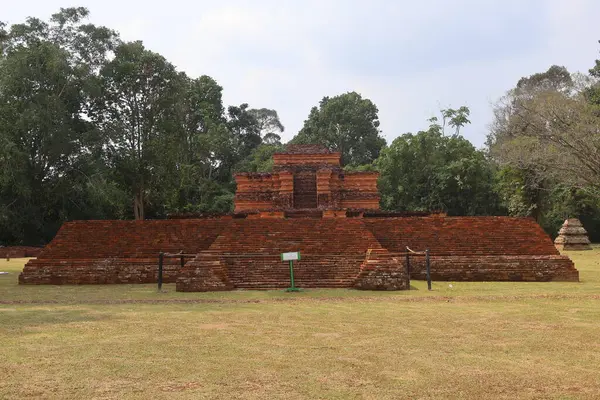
[472, 341]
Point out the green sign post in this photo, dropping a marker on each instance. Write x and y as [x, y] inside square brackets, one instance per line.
[291, 257]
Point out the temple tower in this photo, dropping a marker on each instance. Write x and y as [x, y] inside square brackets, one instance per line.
[306, 177]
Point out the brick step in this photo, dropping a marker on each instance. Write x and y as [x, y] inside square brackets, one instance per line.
[281, 284]
[287, 279]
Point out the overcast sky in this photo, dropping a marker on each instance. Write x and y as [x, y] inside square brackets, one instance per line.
[411, 58]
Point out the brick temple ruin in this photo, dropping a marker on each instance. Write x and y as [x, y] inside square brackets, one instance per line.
[307, 177]
[310, 204]
[572, 236]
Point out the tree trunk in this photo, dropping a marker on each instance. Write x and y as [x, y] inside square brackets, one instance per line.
[138, 205]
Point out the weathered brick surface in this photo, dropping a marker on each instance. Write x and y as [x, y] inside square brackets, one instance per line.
[118, 251]
[19, 251]
[97, 271]
[206, 273]
[382, 271]
[245, 253]
[302, 179]
[572, 236]
[332, 252]
[529, 268]
[463, 235]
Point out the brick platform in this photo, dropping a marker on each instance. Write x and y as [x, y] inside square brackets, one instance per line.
[103, 252]
[245, 252]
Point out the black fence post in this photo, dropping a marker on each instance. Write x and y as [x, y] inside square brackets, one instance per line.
[160, 270]
[408, 267]
[428, 265]
[182, 263]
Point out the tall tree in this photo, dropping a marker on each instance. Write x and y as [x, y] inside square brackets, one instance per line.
[137, 110]
[346, 123]
[269, 125]
[429, 171]
[547, 127]
[454, 118]
[245, 130]
[47, 72]
[202, 178]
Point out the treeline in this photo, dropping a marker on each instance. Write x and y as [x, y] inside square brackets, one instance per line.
[92, 127]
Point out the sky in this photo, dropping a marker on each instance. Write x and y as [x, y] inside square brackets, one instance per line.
[411, 58]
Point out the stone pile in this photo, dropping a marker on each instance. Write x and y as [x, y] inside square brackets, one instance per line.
[572, 236]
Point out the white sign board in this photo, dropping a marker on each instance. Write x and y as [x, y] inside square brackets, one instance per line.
[294, 256]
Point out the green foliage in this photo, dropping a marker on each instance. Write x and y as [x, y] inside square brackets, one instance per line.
[269, 125]
[91, 127]
[346, 123]
[136, 110]
[453, 118]
[46, 79]
[544, 141]
[261, 159]
[428, 171]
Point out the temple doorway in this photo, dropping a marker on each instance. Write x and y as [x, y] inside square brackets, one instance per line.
[305, 189]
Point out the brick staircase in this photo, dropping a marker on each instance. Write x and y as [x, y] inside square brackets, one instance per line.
[332, 252]
[312, 271]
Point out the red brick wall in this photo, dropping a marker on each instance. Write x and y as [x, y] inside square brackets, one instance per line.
[310, 236]
[529, 268]
[132, 239]
[333, 250]
[463, 235]
[19, 251]
[119, 251]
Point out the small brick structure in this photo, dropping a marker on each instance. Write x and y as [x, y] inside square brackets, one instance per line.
[308, 204]
[19, 251]
[306, 177]
[572, 236]
[382, 271]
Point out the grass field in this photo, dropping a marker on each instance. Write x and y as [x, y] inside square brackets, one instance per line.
[472, 341]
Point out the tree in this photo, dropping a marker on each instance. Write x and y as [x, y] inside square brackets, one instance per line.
[137, 110]
[202, 179]
[429, 171]
[548, 127]
[269, 125]
[261, 159]
[346, 123]
[47, 78]
[245, 129]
